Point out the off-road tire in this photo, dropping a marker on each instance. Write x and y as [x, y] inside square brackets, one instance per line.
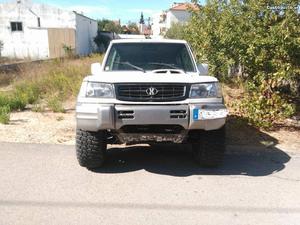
[210, 147]
[91, 148]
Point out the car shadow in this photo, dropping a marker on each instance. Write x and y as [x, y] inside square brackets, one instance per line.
[250, 152]
[178, 161]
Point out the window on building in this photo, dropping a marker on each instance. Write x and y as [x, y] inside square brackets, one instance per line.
[16, 26]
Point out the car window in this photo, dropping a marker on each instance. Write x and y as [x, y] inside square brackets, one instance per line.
[149, 56]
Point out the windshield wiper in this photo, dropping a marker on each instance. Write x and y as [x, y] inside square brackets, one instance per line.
[172, 66]
[131, 65]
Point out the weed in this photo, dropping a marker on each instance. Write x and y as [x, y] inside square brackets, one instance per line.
[18, 102]
[69, 51]
[4, 100]
[29, 91]
[13, 102]
[4, 114]
[38, 108]
[59, 118]
[55, 104]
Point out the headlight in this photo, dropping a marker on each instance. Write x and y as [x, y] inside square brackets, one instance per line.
[206, 90]
[99, 90]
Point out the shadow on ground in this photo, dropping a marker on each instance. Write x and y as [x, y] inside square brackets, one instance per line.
[178, 161]
[250, 152]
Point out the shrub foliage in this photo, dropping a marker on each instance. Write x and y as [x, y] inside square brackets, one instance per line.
[259, 37]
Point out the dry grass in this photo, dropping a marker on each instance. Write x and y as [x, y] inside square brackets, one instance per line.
[5, 60]
[45, 84]
[5, 80]
[37, 70]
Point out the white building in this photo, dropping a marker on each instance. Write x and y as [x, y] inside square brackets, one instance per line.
[178, 13]
[39, 31]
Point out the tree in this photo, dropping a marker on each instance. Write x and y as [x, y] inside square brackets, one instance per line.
[102, 23]
[142, 21]
[177, 31]
[261, 36]
[102, 40]
[133, 28]
[110, 26]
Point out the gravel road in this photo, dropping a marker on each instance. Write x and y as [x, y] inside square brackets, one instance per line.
[43, 184]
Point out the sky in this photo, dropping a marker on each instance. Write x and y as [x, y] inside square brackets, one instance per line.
[125, 10]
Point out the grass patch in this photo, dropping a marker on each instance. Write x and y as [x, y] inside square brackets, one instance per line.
[46, 84]
[13, 101]
[56, 105]
[4, 100]
[4, 114]
[38, 108]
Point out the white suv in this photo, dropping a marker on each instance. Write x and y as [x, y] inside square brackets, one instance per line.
[150, 91]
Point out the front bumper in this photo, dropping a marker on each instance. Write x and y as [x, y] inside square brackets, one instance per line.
[94, 117]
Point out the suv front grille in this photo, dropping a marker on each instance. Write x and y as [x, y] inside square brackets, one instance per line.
[178, 114]
[151, 92]
[125, 114]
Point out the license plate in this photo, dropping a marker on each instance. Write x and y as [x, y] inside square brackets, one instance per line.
[196, 114]
[200, 114]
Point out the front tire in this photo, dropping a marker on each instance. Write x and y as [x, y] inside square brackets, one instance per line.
[210, 147]
[91, 148]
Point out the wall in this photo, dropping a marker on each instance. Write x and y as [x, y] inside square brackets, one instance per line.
[32, 42]
[160, 25]
[57, 38]
[86, 31]
[177, 16]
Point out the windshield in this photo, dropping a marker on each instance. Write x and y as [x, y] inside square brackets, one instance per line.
[149, 56]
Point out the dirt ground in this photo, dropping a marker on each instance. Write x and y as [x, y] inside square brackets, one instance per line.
[33, 127]
[59, 128]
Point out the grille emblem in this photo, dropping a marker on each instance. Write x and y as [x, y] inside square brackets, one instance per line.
[151, 91]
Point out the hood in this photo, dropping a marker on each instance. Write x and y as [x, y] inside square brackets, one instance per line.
[148, 77]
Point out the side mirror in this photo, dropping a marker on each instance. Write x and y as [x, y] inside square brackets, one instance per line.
[203, 69]
[95, 68]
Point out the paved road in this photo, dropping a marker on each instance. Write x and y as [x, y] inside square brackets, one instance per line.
[43, 184]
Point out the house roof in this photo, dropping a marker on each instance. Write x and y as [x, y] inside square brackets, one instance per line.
[184, 7]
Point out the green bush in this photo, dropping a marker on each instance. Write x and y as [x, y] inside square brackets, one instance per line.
[260, 37]
[28, 91]
[18, 102]
[4, 114]
[4, 100]
[56, 105]
[177, 31]
[102, 40]
[13, 102]
[263, 106]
